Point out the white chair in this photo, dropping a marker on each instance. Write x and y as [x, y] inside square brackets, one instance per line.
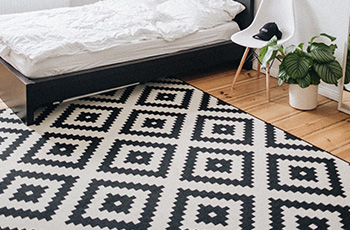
[279, 11]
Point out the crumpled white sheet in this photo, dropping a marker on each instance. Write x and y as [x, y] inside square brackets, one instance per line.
[109, 23]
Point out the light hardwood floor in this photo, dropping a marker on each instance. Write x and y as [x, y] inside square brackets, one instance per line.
[325, 127]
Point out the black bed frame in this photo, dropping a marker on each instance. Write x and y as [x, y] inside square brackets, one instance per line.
[24, 95]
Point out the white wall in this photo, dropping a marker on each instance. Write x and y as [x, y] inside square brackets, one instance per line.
[18, 6]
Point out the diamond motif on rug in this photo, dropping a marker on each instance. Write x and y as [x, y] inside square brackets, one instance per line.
[317, 176]
[70, 151]
[162, 124]
[165, 97]
[305, 215]
[223, 130]
[29, 193]
[151, 159]
[213, 215]
[303, 173]
[23, 194]
[116, 205]
[10, 140]
[211, 211]
[87, 117]
[219, 166]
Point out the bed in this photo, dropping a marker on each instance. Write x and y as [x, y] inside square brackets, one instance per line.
[27, 85]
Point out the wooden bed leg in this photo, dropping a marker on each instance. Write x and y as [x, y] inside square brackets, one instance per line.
[238, 72]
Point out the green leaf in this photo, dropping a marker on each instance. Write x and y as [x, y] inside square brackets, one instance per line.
[271, 54]
[328, 36]
[292, 81]
[290, 49]
[313, 38]
[282, 75]
[333, 47]
[329, 72]
[280, 57]
[324, 35]
[321, 52]
[273, 41]
[347, 71]
[280, 81]
[263, 50]
[262, 53]
[296, 65]
[301, 46]
[315, 79]
[304, 82]
[281, 71]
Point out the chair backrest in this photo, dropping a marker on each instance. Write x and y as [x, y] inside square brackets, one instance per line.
[279, 11]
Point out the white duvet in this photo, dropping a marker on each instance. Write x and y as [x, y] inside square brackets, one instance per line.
[109, 23]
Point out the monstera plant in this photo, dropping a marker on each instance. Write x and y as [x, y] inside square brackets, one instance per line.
[304, 67]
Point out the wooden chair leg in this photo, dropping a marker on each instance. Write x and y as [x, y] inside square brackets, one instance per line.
[268, 94]
[240, 67]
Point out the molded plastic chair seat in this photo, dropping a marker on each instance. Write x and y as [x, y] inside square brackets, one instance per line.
[279, 11]
[245, 38]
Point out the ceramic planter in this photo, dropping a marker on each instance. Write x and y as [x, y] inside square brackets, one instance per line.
[303, 98]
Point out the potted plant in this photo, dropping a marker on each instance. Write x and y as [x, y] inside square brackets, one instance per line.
[303, 69]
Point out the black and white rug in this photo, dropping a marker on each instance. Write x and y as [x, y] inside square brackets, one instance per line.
[164, 156]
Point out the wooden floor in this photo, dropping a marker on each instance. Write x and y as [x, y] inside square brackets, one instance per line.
[2, 104]
[324, 127]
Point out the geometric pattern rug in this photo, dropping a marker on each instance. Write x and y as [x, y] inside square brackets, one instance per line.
[164, 155]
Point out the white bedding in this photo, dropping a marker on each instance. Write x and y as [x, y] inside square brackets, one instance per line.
[34, 37]
[127, 52]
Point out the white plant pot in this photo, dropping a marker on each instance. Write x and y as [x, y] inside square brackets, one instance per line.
[303, 98]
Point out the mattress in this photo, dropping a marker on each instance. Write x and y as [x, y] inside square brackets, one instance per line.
[71, 63]
[63, 40]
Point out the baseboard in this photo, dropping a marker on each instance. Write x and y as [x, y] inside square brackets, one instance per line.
[329, 91]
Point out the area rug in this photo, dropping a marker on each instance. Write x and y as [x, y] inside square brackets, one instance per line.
[164, 155]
